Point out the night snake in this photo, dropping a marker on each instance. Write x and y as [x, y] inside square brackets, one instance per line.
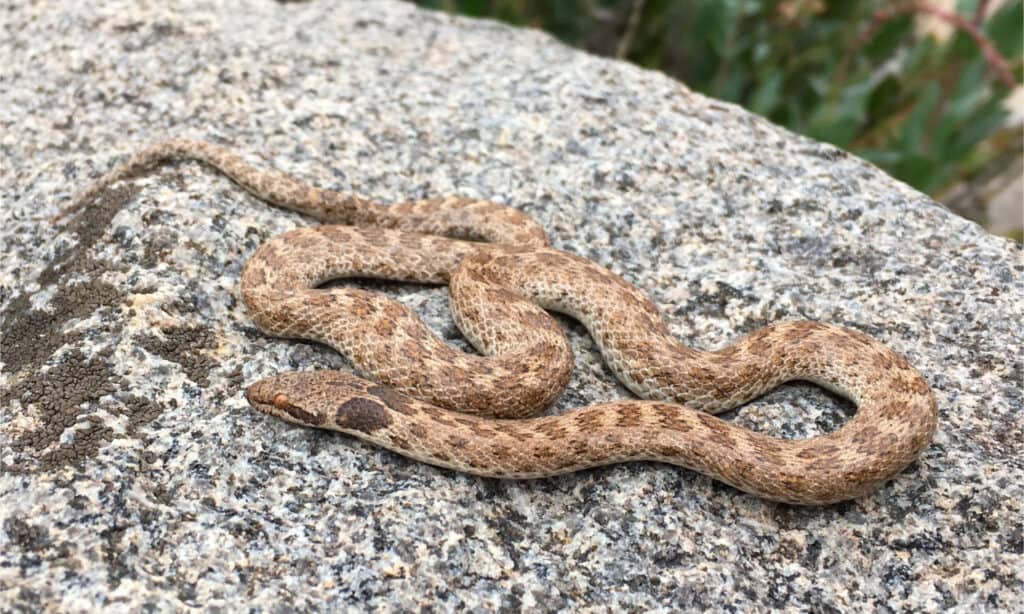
[472, 413]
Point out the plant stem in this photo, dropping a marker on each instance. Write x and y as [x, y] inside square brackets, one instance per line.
[995, 60]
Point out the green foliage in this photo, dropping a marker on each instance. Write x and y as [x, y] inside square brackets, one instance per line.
[852, 73]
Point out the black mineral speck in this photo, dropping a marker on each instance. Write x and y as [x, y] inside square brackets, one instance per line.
[25, 535]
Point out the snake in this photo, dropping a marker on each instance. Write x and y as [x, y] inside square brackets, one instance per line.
[483, 413]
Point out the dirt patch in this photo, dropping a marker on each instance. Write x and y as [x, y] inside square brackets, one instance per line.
[63, 395]
[30, 336]
[182, 345]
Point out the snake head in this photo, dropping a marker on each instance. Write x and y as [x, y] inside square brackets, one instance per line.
[303, 397]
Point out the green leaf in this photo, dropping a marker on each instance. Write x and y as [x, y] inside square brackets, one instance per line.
[888, 39]
[985, 121]
[966, 7]
[839, 122]
[920, 56]
[475, 8]
[972, 78]
[713, 23]
[761, 51]
[1006, 29]
[914, 127]
[766, 96]
[917, 170]
[885, 158]
[966, 100]
[855, 99]
[886, 97]
[735, 82]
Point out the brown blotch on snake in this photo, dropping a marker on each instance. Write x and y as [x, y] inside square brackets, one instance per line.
[500, 290]
[364, 415]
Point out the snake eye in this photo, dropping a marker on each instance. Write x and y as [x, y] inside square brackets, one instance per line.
[283, 403]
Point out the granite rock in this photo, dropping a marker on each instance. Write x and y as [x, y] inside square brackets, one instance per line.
[136, 477]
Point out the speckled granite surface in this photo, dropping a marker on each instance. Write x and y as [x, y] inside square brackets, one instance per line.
[136, 476]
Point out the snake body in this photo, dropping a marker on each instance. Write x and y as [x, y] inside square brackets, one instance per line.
[452, 409]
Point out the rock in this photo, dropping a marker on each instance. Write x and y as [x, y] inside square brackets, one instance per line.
[136, 474]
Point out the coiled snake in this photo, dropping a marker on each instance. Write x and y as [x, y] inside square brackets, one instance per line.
[472, 413]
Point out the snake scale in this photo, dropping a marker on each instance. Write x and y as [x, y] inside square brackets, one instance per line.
[475, 413]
